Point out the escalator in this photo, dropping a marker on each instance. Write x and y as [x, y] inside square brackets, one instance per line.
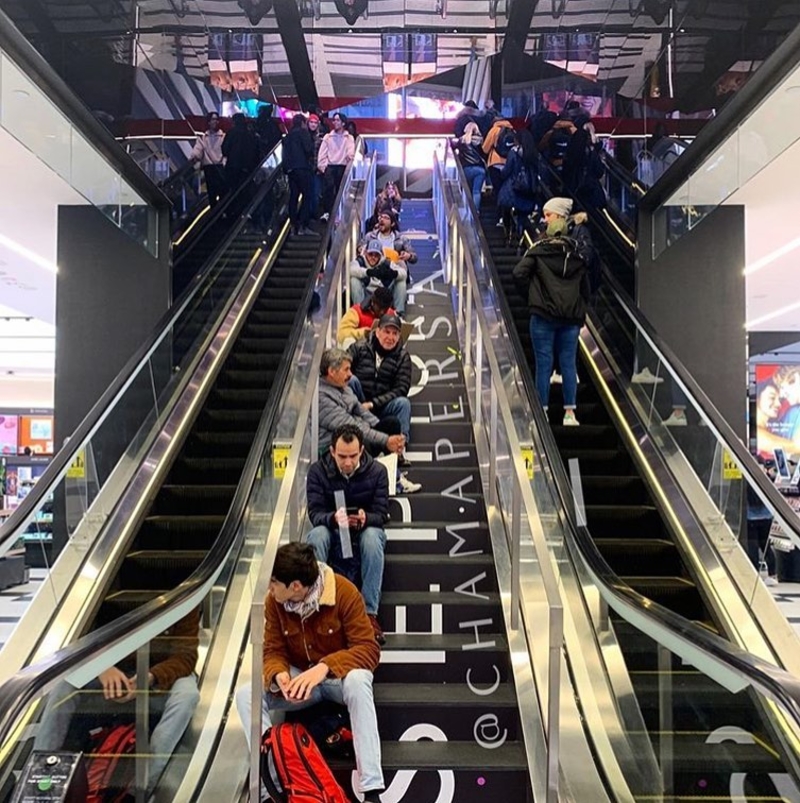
[633, 535]
[188, 510]
[207, 230]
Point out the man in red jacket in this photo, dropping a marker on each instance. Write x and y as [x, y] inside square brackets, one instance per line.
[319, 645]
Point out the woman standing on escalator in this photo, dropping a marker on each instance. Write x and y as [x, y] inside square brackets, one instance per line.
[554, 278]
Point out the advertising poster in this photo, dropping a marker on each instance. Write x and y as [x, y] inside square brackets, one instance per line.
[394, 57]
[423, 53]
[777, 410]
[35, 434]
[9, 433]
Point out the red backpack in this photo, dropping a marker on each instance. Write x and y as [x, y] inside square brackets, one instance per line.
[304, 774]
[111, 768]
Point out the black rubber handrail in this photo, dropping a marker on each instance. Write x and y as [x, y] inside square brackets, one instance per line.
[25, 687]
[780, 685]
[775, 69]
[36, 68]
[11, 529]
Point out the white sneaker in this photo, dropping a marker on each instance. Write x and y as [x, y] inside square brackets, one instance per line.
[646, 377]
[406, 486]
[677, 419]
[770, 580]
[325, 216]
[569, 419]
[556, 379]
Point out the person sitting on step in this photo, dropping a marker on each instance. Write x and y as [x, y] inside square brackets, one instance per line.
[397, 247]
[359, 514]
[381, 379]
[318, 645]
[173, 696]
[372, 269]
[362, 318]
[339, 405]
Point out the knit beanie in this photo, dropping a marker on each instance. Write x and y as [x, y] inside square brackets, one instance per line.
[558, 206]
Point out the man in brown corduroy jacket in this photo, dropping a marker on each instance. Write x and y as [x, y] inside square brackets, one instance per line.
[319, 645]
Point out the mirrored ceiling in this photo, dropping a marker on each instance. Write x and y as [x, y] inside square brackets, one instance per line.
[686, 55]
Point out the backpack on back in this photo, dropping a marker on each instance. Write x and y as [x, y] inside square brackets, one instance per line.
[303, 772]
[505, 141]
[111, 767]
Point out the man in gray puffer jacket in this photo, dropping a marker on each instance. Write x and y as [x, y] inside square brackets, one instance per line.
[338, 405]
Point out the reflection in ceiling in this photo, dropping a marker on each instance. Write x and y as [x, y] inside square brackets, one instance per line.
[687, 54]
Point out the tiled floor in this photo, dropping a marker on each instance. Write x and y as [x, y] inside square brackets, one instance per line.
[14, 601]
[787, 595]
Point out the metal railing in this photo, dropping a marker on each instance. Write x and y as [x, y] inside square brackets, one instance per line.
[509, 488]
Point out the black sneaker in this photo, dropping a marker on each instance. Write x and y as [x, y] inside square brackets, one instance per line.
[373, 796]
[404, 462]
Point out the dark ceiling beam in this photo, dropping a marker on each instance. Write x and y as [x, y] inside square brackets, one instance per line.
[290, 28]
[519, 23]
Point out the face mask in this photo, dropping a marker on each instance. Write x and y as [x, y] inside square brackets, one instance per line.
[557, 227]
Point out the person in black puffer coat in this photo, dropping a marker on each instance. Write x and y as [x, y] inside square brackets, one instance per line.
[554, 278]
[381, 369]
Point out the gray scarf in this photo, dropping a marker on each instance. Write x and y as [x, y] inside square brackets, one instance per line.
[310, 603]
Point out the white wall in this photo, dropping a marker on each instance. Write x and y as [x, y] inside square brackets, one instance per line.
[26, 391]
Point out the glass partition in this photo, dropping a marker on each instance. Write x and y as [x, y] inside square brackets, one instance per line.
[756, 142]
[80, 498]
[672, 701]
[30, 117]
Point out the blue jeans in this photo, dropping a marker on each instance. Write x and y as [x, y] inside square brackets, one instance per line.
[550, 338]
[475, 174]
[177, 708]
[355, 692]
[371, 545]
[399, 288]
[400, 408]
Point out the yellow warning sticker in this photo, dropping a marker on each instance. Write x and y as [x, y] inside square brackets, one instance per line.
[730, 471]
[77, 469]
[527, 456]
[280, 460]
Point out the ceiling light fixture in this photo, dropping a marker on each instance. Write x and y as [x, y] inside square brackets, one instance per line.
[772, 315]
[772, 256]
[14, 246]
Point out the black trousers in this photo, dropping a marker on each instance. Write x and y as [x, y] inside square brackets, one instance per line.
[390, 426]
[331, 180]
[301, 182]
[215, 182]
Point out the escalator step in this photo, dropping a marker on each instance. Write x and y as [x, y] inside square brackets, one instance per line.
[240, 398]
[158, 569]
[676, 593]
[618, 521]
[601, 490]
[628, 556]
[230, 378]
[219, 444]
[587, 435]
[180, 532]
[200, 500]
[599, 461]
[206, 470]
[259, 362]
[229, 420]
